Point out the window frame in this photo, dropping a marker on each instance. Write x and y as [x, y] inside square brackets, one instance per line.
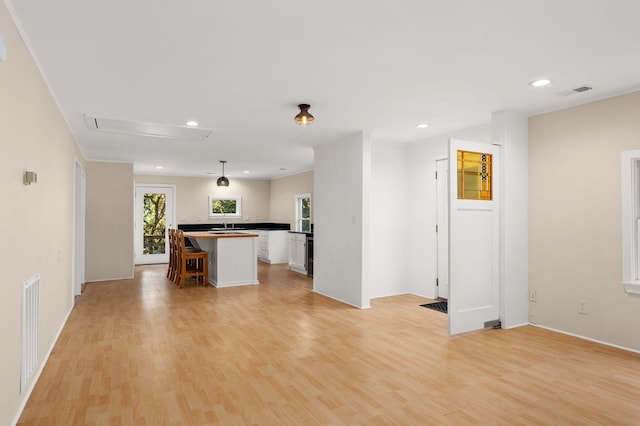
[630, 168]
[237, 213]
[298, 209]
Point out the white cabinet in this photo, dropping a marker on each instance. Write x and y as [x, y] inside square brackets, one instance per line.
[272, 246]
[298, 252]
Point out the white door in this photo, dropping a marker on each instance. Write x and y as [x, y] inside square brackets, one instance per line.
[473, 235]
[154, 214]
[442, 227]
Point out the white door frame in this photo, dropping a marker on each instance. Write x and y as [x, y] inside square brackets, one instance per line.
[137, 209]
[79, 212]
[442, 229]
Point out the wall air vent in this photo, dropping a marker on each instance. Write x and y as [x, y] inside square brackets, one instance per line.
[146, 129]
[570, 92]
[30, 330]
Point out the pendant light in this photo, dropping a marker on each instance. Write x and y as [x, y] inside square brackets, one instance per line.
[304, 118]
[223, 181]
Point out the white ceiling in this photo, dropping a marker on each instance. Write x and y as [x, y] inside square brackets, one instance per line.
[241, 67]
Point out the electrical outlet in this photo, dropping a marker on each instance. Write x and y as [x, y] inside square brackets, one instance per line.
[583, 306]
[533, 296]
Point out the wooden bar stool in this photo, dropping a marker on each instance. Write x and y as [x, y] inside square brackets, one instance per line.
[173, 255]
[193, 263]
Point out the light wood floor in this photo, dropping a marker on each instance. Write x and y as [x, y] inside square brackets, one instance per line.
[142, 352]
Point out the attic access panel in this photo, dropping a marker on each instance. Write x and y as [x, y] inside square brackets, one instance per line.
[146, 129]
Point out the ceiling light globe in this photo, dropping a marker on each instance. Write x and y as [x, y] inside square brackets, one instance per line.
[304, 118]
[222, 180]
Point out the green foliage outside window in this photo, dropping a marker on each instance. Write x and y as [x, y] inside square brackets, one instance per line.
[155, 206]
[306, 214]
[223, 206]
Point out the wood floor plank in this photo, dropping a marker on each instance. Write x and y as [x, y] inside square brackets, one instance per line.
[143, 352]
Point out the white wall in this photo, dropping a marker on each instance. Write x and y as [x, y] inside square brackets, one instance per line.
[36, 221]
[510, 131]
[282, 199]
[192, 195]
[575, 219]
[109, 221]
[389, 229]
[340, 192]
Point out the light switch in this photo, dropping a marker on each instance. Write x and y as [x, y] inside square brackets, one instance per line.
[3, 48]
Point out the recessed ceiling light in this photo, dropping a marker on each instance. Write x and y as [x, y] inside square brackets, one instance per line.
[540, 83]
[192, 123]
[422, 125]
[158, 167]
[246, 171]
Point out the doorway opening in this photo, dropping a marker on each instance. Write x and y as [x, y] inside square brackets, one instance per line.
[442, 229]
[154, 215]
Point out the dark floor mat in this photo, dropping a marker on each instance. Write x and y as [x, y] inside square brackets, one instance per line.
[437, 306]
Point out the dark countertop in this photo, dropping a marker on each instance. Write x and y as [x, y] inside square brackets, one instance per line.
[263, 226]
[308, 234]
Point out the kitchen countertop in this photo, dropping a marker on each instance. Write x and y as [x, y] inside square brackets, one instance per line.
[228, 234]
[308, 234]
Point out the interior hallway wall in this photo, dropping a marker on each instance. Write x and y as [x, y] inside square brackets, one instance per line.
[109, 223]
[389, 227]
[575, 219]
[36, 221]
[340, 188]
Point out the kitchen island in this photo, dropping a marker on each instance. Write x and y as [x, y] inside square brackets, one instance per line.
[233, 256]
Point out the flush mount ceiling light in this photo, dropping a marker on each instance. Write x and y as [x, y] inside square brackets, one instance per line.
[192, 123]
[422, 125]
[304, 118]
[223, 181]
[540, 83]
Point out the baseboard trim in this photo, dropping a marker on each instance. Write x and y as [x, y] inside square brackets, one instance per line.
[515, 325]
[624, 348]
[110, 279]
[341, 301]
[36, 376]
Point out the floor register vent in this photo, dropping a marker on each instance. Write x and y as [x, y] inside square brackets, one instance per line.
[30, 329]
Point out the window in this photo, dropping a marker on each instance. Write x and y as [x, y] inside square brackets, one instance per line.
[220, 207]
[631, 221]
[303, 212]
[475, 176]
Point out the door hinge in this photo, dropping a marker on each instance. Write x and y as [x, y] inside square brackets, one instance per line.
[436, 175]
[436, 228]
[437, 283]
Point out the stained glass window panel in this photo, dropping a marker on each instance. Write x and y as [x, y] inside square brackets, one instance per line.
[475, 176]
